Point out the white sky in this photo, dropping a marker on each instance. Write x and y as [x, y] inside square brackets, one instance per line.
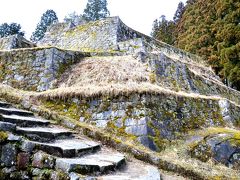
[138, 14]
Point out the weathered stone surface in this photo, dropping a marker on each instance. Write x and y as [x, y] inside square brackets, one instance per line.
[75, 176]
[5, 126]
[27, 146]
[91, 164]
[48, 174]
[24, 121]
[68, 147]
[154, 118]
[14, 138]
[43, 133]
[37, 68]
[139, 172]
[23, 160]
[223, 148]
[14, 111]
[8, 155]
[42, 160]
[15, 42]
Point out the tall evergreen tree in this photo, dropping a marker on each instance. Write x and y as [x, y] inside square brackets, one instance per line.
[48, 18]
[163, 30]
[179, 12]
[211, 29]
[155, 28]
[74, 18]
[95, 10]
[10, 29]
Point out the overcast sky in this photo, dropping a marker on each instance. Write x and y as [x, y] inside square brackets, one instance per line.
[138, 14]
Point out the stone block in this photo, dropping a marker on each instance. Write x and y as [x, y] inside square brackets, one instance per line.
[101, 123]
[146, 141]
[137, 130]
[43, 160]
[130, 122]
[5, 126]
[8, 155]
[27, 146]
[23, 160]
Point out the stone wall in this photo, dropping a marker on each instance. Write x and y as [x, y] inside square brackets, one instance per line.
[96, 36]
[35, 69]
[20, 160]
[108, 35]
[15, 42]
[180, 76]
[152, 119]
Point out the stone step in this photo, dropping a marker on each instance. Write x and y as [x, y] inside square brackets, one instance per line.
[43, 134]
[68, 148]
[134, 171]
[92, 164]
[4, 104]
[6, 126]
[24, 121]
[14, 111]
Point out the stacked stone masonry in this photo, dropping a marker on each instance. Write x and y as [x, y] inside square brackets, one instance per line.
[34, 148]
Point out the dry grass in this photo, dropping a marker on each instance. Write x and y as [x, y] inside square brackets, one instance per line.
[111, 76]
[177, 154]
[101, 71]
[116, 89]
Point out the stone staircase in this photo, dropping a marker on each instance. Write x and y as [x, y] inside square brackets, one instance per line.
[69, 152]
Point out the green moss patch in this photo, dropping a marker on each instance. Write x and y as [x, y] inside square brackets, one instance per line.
[3, 136]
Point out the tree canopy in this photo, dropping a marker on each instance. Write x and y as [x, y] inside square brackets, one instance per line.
[95, 10]
[48, 18]
[10, 29]
[74, 18]
[163, 30]
[211, 29]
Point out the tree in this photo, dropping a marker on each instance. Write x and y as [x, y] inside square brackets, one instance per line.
[95, 10]
[155, 28]
[179, 12]
[74, 19]
[10, 29]
[47, 19]
[211, 29]
[163, 30]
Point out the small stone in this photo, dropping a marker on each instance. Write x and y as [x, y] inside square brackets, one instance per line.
[8, 156]
[27, 146]
[74, 176]
[55, 175]
[43, 160]
[12, 137]
[36, 172]
[23, 160]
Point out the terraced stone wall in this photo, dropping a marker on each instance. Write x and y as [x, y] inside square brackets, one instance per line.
[35, 69]
[180, 76]
[109, 35]
[152, 119]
